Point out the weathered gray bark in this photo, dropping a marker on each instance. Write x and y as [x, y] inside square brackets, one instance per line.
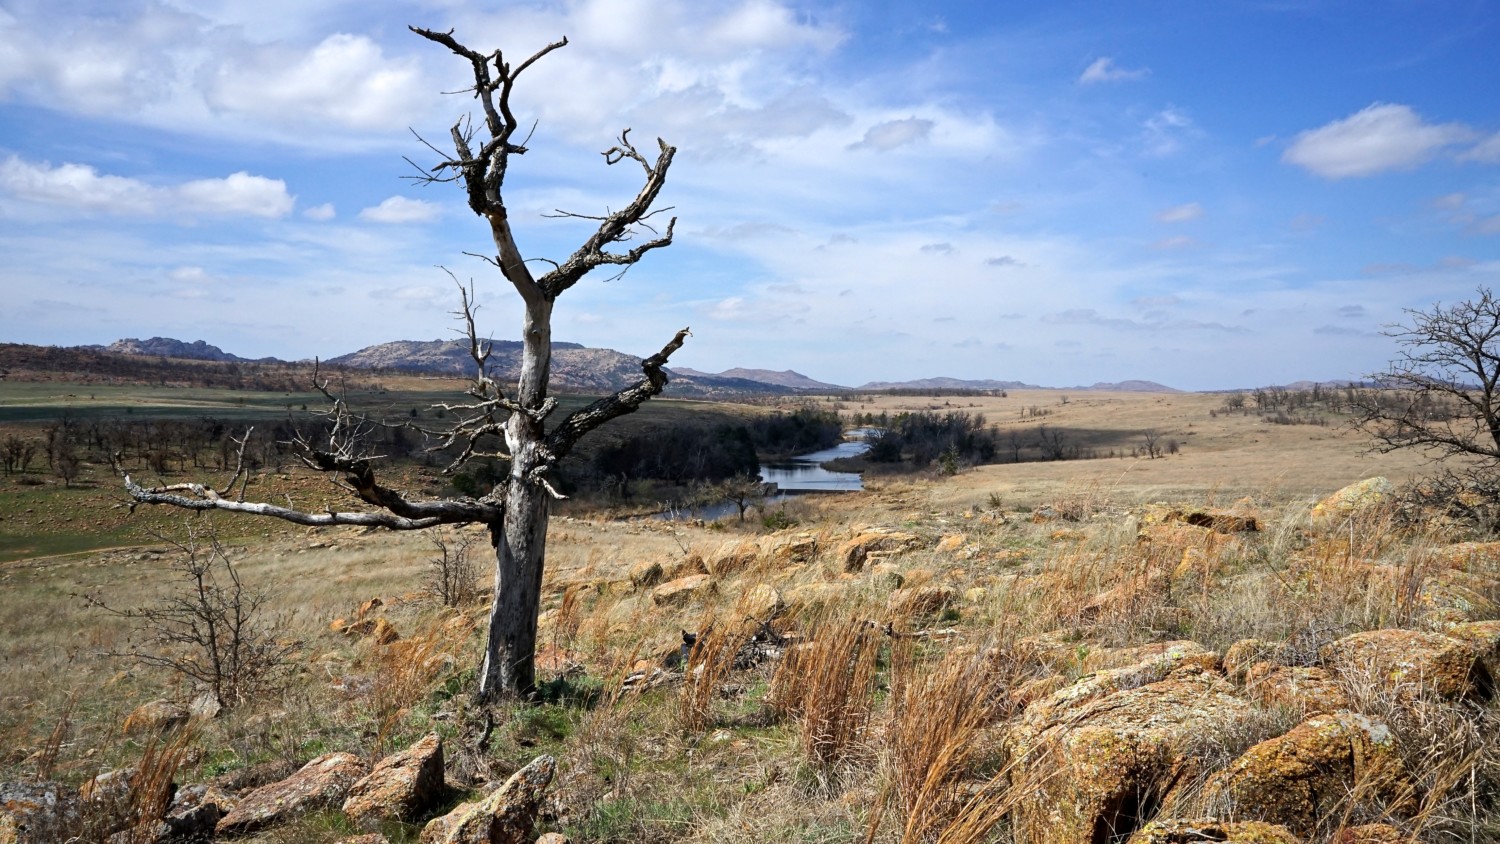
[517, 512]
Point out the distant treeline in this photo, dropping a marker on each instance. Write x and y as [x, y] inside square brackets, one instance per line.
[21, 362]
[687, 452]
[956, 439]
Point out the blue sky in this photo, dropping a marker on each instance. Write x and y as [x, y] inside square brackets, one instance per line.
[1209, 195]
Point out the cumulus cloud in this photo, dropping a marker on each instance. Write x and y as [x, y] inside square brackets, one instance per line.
[1180, 213]
[883, 137]
[1104, 69]
[82, 188]
[1380, 138]
[399, 209]
[345, 78]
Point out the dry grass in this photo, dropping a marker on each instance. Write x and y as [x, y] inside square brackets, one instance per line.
[827, 685]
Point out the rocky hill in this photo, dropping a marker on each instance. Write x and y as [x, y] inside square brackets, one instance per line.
[786, 378]
[168, 347]
[574, 367]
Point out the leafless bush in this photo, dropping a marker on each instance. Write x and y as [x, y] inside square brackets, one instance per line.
[452, 575]
[210, 628]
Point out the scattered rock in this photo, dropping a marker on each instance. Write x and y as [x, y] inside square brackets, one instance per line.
[1245, 653]
[1177, 831]
[400, 787]
[196, 809]
[1353, 499]
[1484, 638]
[504, 817]
[921, 602]
[554, 838]
[853, 553]
[645, 574]
[158, 716]
[1299, 778]
[1411, 660]
[731, 557]
[368, 607]
[682, 590]
[367, 838]
[1305, 690]
[320, 784]
[951, 543]
[205, 707]
[36, 812]
[1094, 767]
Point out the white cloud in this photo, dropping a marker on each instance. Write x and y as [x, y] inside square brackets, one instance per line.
[883, 137]
[399, 209]
[345, 79]
[1486, 151]
[81, 187]
[1382, 137]
[1104, 69]
[1165, 132]
[321, 212]
[1180, 213]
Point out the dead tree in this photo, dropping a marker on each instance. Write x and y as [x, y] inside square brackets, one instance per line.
[1442, 392]
[491, 423]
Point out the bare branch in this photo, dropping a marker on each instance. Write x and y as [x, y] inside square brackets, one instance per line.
[562, 439]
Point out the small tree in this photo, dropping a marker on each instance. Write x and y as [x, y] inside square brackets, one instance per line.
[743, 491]
[511, 427]
[210, 628]
[1442, 392]
[452, 574]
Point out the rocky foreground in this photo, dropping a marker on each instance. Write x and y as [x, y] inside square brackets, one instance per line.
[1081, 714]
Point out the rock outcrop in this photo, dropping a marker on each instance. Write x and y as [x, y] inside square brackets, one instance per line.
[504, 817]
[320, 784]
[400, 787]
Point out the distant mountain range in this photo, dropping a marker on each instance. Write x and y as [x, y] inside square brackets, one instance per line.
[582, 369]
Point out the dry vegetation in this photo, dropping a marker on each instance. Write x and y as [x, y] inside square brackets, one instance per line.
[938, 642]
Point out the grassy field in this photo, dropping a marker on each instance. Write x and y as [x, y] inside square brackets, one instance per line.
[821, 745]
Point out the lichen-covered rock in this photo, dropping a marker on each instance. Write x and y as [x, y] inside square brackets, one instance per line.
[1180, 831]
[1305, 690]
[1353, 499]
[1300, 778]
[852, 554]
[789, 547]
[367, 838]
[732, 557]
[1174, 653]
[157, 716]
[1246, 653]
[1410, 661]
[36, 812]
[504, 817]
[322, 783]
[400, 787]
[196, 809]
[1484, 638]
[1092, 767]
[645, 574]
[682, 590]
[919, 602]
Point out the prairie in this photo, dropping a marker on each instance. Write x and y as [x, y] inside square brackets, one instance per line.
[933, 622]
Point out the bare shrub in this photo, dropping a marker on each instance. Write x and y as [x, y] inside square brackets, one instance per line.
[452, 574]
[211, 628]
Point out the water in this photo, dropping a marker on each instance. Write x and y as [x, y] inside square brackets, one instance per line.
[804, 473]
[798, 475]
